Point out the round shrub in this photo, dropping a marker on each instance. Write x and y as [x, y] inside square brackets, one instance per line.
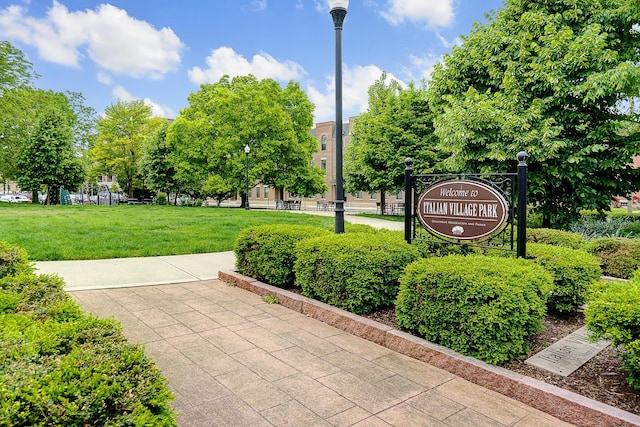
[353, 271]
[566, 239]
[613, 312]
[161, 198]
[13, 260]
[484, 307]
[619, 257]
[267, 252]
[573, 270]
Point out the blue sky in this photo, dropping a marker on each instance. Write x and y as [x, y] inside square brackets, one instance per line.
[162, 50]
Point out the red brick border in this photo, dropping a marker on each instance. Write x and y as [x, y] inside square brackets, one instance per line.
[565, 405]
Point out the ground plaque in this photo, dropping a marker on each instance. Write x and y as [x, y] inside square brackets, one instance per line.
[568, 354]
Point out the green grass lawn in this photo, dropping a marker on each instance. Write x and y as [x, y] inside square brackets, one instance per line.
[99, 232]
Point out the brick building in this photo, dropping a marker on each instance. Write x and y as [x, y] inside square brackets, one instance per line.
[325, 158]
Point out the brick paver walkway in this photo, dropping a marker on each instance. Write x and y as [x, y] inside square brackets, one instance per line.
[234, 360]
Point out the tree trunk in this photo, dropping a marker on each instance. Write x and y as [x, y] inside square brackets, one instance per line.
[382, 201]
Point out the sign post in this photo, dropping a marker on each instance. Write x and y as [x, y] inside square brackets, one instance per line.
[521, 249]
[408, 191]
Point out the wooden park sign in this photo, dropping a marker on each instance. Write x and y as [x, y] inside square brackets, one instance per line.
[462, 209]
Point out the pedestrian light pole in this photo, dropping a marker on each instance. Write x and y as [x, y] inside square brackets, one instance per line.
[246, 158]
[338, 12]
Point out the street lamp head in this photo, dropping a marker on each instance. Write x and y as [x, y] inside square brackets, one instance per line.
[338, 10]
[246, 148]
[338, 4]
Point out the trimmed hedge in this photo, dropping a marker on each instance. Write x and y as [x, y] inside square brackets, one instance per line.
[356, 228]
[79, 372]
[566, 239]
[439, 249]
[613, 312]
[480, 306]
[59, 366]
[353, 271]
[13, 260]
[619, 257]
[267, 252]
[574, 272]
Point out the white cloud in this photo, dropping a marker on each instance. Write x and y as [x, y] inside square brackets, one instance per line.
[104, 78]
[421, 67]
[157, 110]
[355, 92]
[449, 43]
[111, 38]
[258, 5]
[431, 13]
[226, 61]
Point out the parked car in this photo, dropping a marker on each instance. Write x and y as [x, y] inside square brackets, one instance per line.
[14, 198]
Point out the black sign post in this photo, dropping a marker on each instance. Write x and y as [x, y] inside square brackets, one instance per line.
[408, 170]
[522, 205]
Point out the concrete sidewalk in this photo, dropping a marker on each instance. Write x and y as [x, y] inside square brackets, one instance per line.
[127, 272]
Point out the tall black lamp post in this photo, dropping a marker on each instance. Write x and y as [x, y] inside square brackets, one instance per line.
[246, 158]
[338, 13]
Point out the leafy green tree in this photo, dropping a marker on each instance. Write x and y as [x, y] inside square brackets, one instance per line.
[15, 70]
[22, 109]
[83, 123]
[48, 158]
[159, 174]
[547, 77]
[118, 147]
[398, 124]
[209, 136]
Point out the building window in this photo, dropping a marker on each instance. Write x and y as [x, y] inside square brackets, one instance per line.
[257, 192]
[323, 143]
[266, 192]
[324, 195]
[323, 164]
[373, 195]
[359, 195]
[399, 195]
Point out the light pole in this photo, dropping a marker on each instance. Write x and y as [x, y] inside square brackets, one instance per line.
[246, 158]
[338, 12]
